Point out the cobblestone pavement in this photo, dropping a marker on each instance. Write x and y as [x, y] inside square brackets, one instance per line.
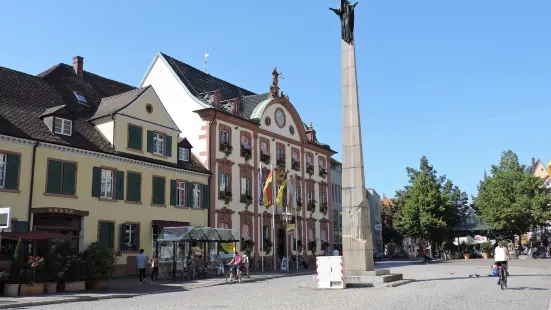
[438, 286]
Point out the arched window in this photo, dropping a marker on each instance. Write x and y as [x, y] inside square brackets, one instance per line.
[224, 182]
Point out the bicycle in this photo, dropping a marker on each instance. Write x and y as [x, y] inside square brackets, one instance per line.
[502, 274]
[230, 277]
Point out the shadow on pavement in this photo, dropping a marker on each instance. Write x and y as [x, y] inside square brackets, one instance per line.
[523, 288]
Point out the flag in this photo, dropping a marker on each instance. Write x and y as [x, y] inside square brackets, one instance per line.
[291, 192]
[260, 200]
[281, 193]
[267, 199]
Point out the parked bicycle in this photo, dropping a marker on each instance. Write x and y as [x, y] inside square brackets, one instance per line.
[230, 275]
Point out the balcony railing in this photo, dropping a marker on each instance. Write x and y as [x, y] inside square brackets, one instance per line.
[295, 165]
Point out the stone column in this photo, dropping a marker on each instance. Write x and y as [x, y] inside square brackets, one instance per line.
[356, 226]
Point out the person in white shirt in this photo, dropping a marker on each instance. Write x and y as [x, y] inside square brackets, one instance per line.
[502, 256]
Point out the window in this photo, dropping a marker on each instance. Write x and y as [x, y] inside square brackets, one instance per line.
[107, 183]
[279, 153]
[106, 234]
[297, 194]
[264, 147]
[310, 234]
[181, 194]
[183, 154]
[155, 231]
[225, 225]
[245, 233]
[81, 99]
[134, 187]
[3, 161]
[339, 192]
[196, 196]
[224, 182]
[135, 137]
[310, 196]
[224, 137]
[158, 191]
[322, 197]
[131, 237]
[61, 178]
[266, 232]
[245, 186]
[158, 143]
[309, 159]
[63, 126]
[323, 235]
[336, 220]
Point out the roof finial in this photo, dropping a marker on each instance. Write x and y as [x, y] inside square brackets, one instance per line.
[310, 126]
[205, 68]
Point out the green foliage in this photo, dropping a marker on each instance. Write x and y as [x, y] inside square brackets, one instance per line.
[429, 205]
[65, 262]
[17, 265]
[389, 214]
[247, 246]
[98, 262]
[512, 200]
[485, 247]
[312, 246]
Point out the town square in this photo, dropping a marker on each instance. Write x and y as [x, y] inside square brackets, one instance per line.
[192, 155]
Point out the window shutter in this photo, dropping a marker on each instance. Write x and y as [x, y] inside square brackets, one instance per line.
[169, 146]
[133, 187]
[135, 137]
[96, 182]
[104, 234]
[69, 179]
[206, 196]
[150, 141]
[173, 193]
[12, 172]
[122, 236]
[54, 177]
[21, 226]
[189, 188]
[112, 235]
[137, 237]
[120, 185]
[158, 191]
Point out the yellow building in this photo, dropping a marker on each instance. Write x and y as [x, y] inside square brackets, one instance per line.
[97, 159]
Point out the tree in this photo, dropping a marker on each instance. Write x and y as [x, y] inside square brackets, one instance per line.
[389, 213]
[430, 204]
[512, 199]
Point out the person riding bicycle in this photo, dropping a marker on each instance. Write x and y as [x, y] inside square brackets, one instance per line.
[501, 257]
[237, 262]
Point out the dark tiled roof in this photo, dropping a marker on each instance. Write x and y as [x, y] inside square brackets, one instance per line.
[23, 98]
[51, 111]
[113, 104]
[199, 82]
[250, 102]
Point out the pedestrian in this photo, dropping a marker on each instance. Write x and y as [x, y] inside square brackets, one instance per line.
[246, 264]
[155, 269]
[336, 252]
[141, 262]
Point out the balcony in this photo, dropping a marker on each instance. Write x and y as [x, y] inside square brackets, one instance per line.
[311, 206]
[281, 162]
[295, 165]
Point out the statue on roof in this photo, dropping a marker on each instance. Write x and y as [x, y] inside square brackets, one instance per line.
[274, 88]
[346, 14]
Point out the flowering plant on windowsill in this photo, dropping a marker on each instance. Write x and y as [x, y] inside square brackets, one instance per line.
[323, 172]
[298, 205]
[246, 153]
[246, 199]
[295, 165]
[281, 163]
[323, 208]
[324, 245]
[309, 169]
[226, 148]
[247, 246]
[311, 206]
[312, 246]
[265, 158]
[227, 196]
[267, 246]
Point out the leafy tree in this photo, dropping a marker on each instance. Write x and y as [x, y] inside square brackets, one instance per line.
[512, 199]
[389, 213]
[430, 204]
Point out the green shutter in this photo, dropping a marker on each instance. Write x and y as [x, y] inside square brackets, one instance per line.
[112, 235]
[206, 196]
[21, 226]
[122, 236]
[120, 185]
[169, 146]
[134, 137]
[134, 188]
[69, 179]
[189, 188]
[12, 172]
[96, 182]
[104, 234]
[150, 141]
[173, 193]
[137, 237]
[54, 177]
[158, 191]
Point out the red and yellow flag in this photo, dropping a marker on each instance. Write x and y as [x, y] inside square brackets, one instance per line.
[267, 193]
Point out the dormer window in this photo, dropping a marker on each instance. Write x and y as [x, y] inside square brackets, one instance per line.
[158, 143]
[183, 154]
[63, 126]
[81, 99]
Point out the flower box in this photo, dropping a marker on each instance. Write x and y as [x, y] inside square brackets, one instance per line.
[226, 148]
[11, 290]
[324, 208]
[311, 206]
[78, 286]
[246, 153]
[310, 169]
[295, 164]
[51, 288]
[31, 289]
[281, 163]
[323, 172]
[265, 158]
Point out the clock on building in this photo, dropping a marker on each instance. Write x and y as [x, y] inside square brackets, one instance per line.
[280, 117]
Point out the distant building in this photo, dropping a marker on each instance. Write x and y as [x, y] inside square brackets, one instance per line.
[336, 191]
[375, 215]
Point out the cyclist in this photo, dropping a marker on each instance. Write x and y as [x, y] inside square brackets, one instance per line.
[237, 261]
[501, 257]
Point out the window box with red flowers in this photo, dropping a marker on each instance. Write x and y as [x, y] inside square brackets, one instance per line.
[295, 165]
[311, 206]
[323, 172]
[281, 163]
[310, 169]
[226, 196]
[226, 148]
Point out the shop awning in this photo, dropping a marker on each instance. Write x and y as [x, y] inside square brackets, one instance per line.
[194, 233]
[35, 235]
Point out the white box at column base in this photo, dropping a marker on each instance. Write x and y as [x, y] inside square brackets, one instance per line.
[330, 272]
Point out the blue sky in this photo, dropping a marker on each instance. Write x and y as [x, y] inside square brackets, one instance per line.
[457, 81]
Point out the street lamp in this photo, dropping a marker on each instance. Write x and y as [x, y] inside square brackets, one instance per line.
[286, 216]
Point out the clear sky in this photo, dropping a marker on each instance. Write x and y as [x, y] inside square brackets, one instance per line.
[457, 81]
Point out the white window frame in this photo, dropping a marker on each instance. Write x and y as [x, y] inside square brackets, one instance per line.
[310, 196]
[245, 186]
[158, 143]
[130, 231]
[180, 194]
[280, 154]
[3, 163]
[224, 182]
[196, 196]
[107, 181]
[224, 137]
[322, 197]
[297, 194]
[183, 154]
[60, 129]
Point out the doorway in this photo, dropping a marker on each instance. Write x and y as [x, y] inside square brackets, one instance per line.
[281, 243]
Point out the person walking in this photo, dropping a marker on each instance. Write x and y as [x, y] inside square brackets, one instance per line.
[155, 269]
[246, 264]
[141, 262]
